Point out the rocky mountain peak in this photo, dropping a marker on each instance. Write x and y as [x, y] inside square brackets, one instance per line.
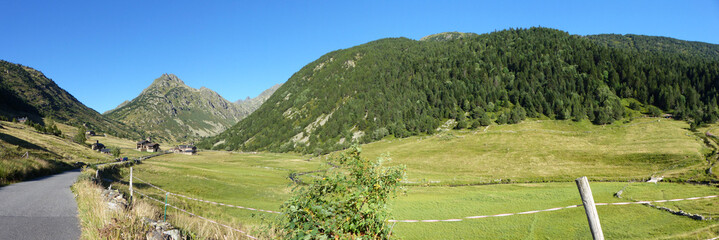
[167, 81]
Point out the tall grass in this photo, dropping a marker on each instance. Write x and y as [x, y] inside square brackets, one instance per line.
[97, 221]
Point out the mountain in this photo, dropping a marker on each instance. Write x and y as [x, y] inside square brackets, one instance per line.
[402, 87]
[446, 36]
[26, 92]
[249, 105]
[170, 110]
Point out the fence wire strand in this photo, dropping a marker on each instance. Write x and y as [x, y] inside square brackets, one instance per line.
[549, 209]
[198, 216]
[206, 201]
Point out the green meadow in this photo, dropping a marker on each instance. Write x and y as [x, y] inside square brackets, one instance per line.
[547, 151]
[541, 159]
[618, 222]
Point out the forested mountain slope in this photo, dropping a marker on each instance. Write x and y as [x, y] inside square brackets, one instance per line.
[26, 92]
[403, 87]
[659, 45]
[170, 110]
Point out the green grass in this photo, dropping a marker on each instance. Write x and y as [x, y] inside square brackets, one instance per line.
[539, 151]
[618, 222]
[244, 179]
[533, 151]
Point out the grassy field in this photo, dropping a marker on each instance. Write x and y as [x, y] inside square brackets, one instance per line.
[533, 151]
[539, 151]
[244, 179]
[618, 222]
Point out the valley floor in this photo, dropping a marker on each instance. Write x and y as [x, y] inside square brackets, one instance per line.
[536, 161]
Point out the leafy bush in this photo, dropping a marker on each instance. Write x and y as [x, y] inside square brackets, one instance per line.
[654, 111]
[115, 151]
[346, 203]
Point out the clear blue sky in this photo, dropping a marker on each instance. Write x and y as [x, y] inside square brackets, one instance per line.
[105, 52]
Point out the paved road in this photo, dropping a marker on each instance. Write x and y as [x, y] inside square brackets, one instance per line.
[42, 208]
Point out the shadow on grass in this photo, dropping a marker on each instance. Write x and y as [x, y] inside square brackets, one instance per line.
[19, 142]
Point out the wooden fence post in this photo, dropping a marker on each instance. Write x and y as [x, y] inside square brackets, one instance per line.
[590, 208]
[131, 192]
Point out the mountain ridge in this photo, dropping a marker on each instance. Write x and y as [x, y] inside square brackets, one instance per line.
[27, 92]
[170, 110]
[404, 87]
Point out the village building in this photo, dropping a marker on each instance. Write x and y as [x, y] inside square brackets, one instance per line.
[148, 146]
[22, 119]
[185, 149]
[97, 146]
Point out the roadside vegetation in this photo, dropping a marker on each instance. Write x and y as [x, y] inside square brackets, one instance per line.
[97, 221]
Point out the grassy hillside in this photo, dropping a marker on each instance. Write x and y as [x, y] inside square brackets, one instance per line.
[402, 87]
[26, 92]
[538, 151]
[46, 154]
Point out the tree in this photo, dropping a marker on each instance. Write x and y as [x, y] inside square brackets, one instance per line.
[346, 203]
[484, 119]
[476, 124]
[80, 136]
[115, 152]
[654, 111]
[462, 124]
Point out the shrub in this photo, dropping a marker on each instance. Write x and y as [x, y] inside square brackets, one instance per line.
[116, 151]
[654, 111]
[346, 203]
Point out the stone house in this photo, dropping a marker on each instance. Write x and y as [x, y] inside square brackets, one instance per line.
[97, 146]
[185, 149]
[148, 146]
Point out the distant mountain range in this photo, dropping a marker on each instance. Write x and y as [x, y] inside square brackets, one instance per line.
[26, 92]
[172, 111]
[249, 105]
[403, 87]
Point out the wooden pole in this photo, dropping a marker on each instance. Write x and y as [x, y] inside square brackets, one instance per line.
[165, 218]
[131, 192]
[590, 208]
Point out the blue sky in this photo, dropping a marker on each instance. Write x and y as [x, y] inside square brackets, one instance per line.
[105, 52]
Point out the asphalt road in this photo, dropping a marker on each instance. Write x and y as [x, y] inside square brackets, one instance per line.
[43, 208]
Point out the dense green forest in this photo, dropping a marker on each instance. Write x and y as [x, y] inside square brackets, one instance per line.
[403, 87]
[26, 92]
[658, 45]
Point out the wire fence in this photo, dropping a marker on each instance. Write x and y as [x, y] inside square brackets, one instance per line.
[206, 201]
[549, 210]
[393, 220]
[198, 216]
